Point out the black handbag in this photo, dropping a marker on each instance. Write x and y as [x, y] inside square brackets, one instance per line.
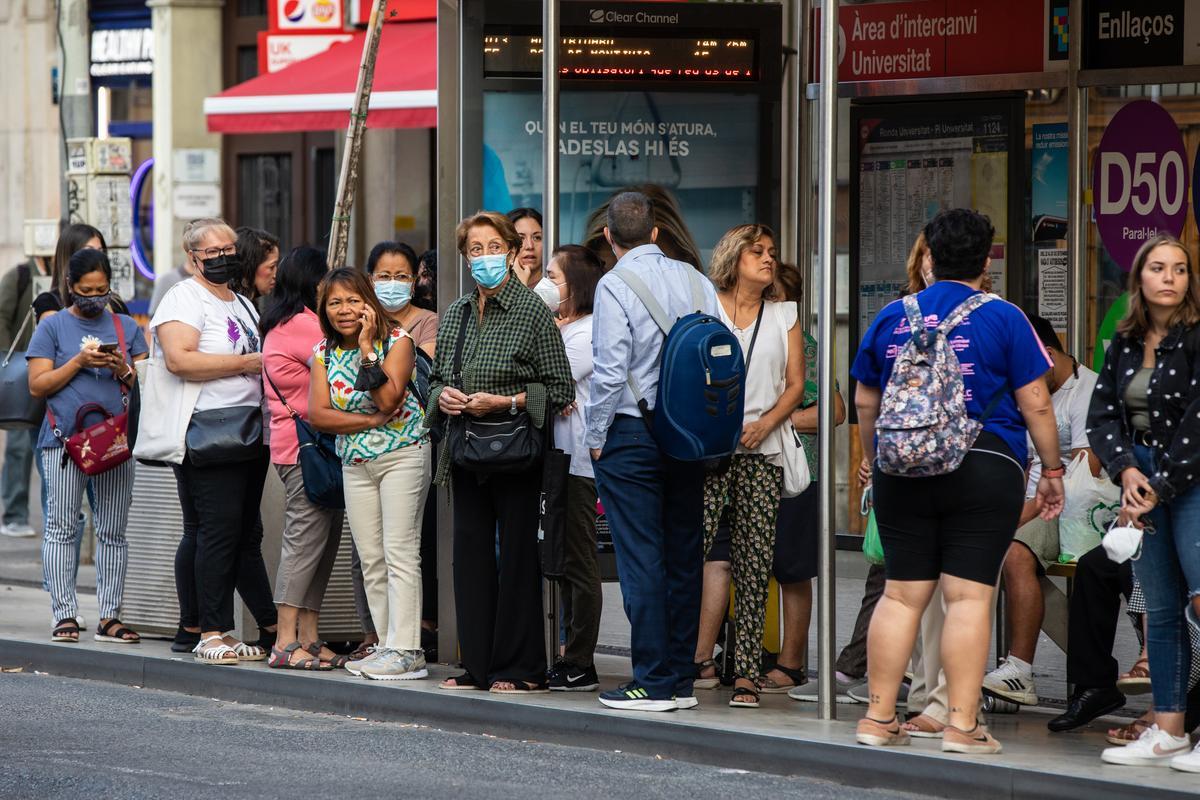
[319, 463]
[18, 408]
[552, 508]
[224, 435]
[497, 443]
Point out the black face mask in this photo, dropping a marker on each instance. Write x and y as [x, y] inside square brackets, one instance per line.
[222, 269]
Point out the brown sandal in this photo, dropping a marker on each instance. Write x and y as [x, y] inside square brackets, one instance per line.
[1137, 680]
[1127, 733]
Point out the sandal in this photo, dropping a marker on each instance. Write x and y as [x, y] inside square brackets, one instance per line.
[1127, 733]
[520, 687]
[337, 662]
[1137, 680]
[248, 652]
[707, 683]
[768, 685]
[65, 630]
[744, 691]
[282, 659]
[219, 653]
[105, 633]
[459, 683]
[362, 651]
[923, 726]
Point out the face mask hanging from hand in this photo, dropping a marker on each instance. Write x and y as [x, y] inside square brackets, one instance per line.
[489, 271]
[393, 295]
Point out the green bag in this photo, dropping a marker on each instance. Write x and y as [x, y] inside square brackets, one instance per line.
[872, 547]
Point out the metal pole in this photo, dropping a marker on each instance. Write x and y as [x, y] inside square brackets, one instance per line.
[449, 112]
[1077, 212]
[789, 199]
[550, 123]
[804, 211]
[550, 52]
[75, 88]
[827, 261]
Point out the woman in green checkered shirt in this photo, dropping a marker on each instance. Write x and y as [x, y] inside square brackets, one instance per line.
[513, 360]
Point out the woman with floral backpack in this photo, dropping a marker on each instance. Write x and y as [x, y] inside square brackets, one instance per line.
[950, 379]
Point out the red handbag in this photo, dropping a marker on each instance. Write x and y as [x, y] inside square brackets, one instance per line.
[104, 445]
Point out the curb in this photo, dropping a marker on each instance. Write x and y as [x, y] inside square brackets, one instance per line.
[841, 762]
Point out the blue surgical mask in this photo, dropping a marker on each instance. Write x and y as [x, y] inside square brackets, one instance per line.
[489, 271]
[393, 295]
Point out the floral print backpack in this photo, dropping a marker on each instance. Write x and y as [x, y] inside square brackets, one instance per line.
[923, 428]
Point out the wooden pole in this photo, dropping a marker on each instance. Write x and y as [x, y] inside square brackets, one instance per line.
[339, 232]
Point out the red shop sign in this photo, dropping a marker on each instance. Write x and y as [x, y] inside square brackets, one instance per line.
[941, 38]
[397, 11]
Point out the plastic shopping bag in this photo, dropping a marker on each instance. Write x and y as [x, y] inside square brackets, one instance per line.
[1090, 506]
[872, 546]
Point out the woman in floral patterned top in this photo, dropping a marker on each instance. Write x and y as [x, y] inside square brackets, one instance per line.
[360, 379]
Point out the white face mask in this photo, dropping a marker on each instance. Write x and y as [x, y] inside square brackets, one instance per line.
[1122, 543]
[548, 291]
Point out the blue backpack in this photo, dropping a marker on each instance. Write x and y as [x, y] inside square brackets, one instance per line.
[698, 410]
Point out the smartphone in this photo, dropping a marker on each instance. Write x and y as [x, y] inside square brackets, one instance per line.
[109, 347]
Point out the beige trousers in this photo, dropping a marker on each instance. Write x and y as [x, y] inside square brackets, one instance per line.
[385, 500]
[929, 693]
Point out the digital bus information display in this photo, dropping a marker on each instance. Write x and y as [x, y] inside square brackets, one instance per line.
[623, 57]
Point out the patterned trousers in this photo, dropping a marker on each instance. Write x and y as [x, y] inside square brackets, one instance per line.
[751, 488]
[65, 484]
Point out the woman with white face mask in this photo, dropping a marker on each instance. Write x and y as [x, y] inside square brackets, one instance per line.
[500, 365]
[393, 268]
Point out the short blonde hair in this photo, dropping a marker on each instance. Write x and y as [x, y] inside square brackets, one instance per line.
[500, 222]
[723, 269]
[195, 231]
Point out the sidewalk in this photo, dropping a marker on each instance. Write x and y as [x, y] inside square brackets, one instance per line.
[781, 737]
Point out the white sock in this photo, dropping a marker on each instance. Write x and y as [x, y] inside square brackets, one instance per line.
[1025, 667]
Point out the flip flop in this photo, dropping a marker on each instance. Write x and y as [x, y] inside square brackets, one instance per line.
[521, 687]
[743, 691]
[105, 633]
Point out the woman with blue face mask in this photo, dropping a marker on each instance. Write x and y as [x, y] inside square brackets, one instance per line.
[511, 367]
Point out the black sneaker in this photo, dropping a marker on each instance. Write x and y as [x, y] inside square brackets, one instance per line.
[566, 677]
[632, 697]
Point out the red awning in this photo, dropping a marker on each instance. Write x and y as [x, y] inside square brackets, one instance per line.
[316, 94]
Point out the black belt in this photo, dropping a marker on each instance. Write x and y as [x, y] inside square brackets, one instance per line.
[1144, 438]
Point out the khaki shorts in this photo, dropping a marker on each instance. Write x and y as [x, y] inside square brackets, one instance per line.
[1041, 537]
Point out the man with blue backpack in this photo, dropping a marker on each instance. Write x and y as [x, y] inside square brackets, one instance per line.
[666, 401]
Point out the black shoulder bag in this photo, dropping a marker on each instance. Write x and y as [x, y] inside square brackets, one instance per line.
[496, 443]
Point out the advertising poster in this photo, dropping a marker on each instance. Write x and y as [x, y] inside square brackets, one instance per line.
[703, 147]
[1052, 287]
[1050, 158]
[912, 164]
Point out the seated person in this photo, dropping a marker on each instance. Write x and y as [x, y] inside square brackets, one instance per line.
[1036, 542]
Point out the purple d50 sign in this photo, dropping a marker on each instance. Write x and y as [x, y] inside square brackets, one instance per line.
[1139, 180]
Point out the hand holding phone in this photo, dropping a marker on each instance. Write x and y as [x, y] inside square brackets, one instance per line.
[110, 348]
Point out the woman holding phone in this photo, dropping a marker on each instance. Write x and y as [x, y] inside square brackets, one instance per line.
[359, 391]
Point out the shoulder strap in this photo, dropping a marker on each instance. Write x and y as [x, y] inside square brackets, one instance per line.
[916, 321]
[697, 285]
[639, 288]
[754, 337]
[24, 279]
[955, 317]
[245, 305]
[279, 394]
[17, 337]
[456, 377]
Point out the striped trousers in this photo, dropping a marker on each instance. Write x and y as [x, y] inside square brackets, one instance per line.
[65, 485]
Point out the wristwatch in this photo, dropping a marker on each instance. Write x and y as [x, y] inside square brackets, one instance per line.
[512, 409]
[370, 359]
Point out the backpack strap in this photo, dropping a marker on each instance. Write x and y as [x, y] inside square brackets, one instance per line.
[697, 290]
[955, 317]
[639, 288]
[916, 322]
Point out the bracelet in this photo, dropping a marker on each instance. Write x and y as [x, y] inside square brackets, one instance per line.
[1059, 471]
[128, 374]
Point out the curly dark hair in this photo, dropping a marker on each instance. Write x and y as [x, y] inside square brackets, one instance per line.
[959, 242]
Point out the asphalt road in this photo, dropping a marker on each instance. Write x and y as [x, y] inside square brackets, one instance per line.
[65, 738]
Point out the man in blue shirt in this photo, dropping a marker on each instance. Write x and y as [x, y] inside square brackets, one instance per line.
[653, 503]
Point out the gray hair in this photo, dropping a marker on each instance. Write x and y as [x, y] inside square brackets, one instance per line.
[195, 231]
[630, 219]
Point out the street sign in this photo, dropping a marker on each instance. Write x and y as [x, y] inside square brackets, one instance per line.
[1139, 180]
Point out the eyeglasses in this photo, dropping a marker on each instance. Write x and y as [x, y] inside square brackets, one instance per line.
[388, 276]
[214, 252]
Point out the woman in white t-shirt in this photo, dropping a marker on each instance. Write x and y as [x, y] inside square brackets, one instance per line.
[743, 270]
[209, 334]
[569, 288]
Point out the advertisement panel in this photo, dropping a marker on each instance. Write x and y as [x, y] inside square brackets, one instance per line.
[940, 38]
[279, 50]
[703, 147]
[299, 15]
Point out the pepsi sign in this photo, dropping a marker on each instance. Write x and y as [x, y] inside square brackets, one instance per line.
[306, 15]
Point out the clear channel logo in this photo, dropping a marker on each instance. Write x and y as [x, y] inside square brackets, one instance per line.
[602, 15]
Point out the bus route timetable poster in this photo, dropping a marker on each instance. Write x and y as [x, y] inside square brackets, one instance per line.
[910, 165]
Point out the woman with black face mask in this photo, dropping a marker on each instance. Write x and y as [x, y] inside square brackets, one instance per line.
[209, 334]
[80, 361]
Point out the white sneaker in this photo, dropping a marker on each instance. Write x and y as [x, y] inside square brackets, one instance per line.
[1154, 748]
[396, 665]
[19, 530]
[355, 667]
[1012, 683]
[1189, 762]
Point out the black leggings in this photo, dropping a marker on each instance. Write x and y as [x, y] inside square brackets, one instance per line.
[221, 546]
[959, 524]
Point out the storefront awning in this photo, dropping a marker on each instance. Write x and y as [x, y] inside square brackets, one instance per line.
[316, 94]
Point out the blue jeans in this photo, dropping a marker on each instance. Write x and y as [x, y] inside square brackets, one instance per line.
[91, 496]
[1169, 571]
[14, 479]
[654, 507]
